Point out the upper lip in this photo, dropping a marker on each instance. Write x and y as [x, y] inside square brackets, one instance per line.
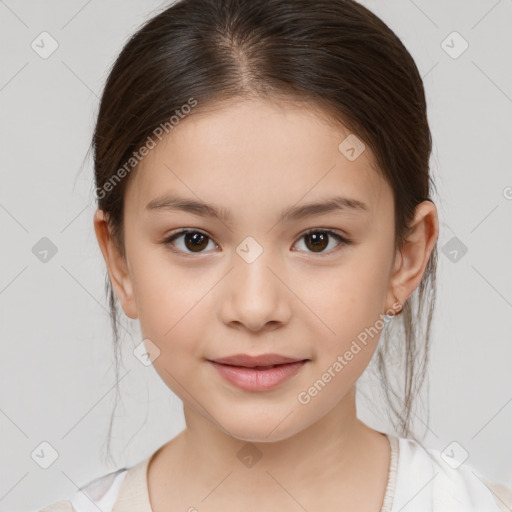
[251, 361]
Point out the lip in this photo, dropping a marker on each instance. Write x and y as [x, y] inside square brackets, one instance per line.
[254, 379]
[252, 361]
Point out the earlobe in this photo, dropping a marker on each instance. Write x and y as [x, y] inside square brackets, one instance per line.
[116, 265]
[411, 262]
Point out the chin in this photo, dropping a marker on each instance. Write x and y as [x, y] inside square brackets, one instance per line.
[259, 428]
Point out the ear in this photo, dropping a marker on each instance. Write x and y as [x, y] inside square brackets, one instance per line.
[116, 265]
[411, 261]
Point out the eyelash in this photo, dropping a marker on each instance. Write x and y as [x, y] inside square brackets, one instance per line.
[342, 240]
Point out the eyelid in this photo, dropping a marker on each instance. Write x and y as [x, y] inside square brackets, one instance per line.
[331, 231]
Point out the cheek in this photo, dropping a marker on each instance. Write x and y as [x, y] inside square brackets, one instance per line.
[165, 295]
[348, 297]
[351, 311]
[169, 309]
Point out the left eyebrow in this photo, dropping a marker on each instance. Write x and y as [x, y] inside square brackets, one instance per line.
[334, 204]
[202, 209]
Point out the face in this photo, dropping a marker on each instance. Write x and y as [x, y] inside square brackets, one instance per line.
[255, 281]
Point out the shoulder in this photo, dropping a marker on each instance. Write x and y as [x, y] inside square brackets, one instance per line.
[429, 479]
[98, 494]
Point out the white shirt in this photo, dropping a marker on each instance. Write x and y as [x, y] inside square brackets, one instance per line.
[419, 480]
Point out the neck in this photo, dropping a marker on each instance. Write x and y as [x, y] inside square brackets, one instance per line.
[336, 455]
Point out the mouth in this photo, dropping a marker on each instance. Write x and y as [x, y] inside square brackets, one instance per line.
[259, 362]
[256, 367]
[258, 378]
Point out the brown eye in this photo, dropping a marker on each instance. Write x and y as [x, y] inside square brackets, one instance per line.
[195, 241]
[192, 241]
[317, 240]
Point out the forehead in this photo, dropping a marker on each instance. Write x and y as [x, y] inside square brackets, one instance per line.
[255, 154]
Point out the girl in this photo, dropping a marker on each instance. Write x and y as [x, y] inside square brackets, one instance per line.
[265, 211]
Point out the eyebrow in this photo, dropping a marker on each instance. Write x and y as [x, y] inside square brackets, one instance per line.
[202, 209]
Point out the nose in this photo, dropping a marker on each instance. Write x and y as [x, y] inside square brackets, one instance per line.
[254, 294]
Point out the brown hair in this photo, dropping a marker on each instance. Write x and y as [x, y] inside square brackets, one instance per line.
[333, 54]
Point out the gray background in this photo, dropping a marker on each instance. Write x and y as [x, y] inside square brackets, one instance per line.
[57, 366]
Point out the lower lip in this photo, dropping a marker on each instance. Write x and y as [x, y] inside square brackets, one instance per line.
[251, 379]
